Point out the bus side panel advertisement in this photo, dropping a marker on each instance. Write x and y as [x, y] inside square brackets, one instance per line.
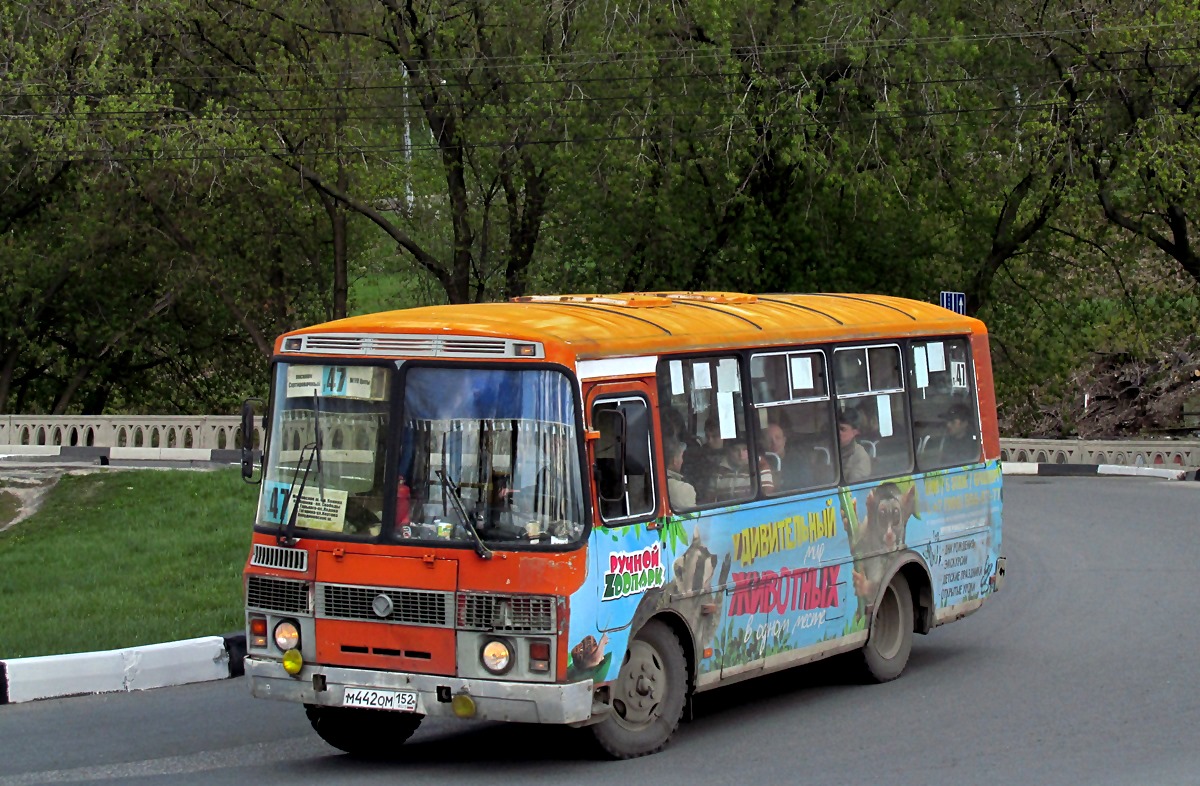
[771, 577]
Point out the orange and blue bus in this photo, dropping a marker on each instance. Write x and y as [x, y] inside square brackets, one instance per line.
[582, 509]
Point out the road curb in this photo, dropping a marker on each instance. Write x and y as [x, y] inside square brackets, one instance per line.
[1079, 470]
[184, 662]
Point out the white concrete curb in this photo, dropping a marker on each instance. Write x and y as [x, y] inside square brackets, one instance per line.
[1149, 472]
[129, 669]
[1063, 470]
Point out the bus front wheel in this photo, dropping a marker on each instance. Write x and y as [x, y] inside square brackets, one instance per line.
[647, 697]
[890, 640]
[363, 733]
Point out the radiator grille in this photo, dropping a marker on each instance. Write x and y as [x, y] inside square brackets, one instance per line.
[409, 607]
[285, 595]
[280, 558]
[510, 613]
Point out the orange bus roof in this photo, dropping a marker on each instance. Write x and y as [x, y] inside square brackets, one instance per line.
[594, 326]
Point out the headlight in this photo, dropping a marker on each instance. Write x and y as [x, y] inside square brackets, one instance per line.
[287, 635]
[496, 656]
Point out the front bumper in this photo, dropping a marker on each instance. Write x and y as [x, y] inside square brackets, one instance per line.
[523, 702]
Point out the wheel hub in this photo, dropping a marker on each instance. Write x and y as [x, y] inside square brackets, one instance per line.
[643, 681]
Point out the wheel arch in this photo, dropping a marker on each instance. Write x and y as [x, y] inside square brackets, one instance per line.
[687, 640]
[916, 573]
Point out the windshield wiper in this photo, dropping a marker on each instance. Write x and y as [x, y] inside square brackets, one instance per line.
[318, 442]
[480, 547]
[287, 530]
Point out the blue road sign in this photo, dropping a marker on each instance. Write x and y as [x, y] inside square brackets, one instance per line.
[955, 301]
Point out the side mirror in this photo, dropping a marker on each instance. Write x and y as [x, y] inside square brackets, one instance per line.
[248, 440]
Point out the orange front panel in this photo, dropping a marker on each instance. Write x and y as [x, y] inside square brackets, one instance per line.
[523, 573]
[372, 571]
[373, 645]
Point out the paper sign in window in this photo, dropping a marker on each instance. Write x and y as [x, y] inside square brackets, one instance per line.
[725, 416]
[676, 367]
[802, 372]
[883, 407]
[727, 376]
[958, 374]
[937, 356]
[921, 367]
[701, 376]
[303, 381]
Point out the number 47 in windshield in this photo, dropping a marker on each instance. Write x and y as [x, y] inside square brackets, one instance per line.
[335, 381]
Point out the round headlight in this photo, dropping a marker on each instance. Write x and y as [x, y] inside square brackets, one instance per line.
[287, 635]
[496, 657]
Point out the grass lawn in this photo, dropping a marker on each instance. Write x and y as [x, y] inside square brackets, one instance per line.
[118, 559]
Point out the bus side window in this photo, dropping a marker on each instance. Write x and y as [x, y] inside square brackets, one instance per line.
[872, 408]
[945, 421]
[791, 403]
[707, 395]
[624, 474]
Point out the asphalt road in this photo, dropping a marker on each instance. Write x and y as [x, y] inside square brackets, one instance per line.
[1083, 671]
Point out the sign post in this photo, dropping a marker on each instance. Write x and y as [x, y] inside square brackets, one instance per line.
[955, 301]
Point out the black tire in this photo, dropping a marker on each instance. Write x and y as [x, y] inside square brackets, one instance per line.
[370, 734]
[889, 642]
[647, 696]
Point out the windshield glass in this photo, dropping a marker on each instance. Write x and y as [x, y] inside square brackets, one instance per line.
[342, 473]
[496, 449]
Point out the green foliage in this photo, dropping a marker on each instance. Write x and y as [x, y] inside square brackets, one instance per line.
[126, 558]
[183, 182]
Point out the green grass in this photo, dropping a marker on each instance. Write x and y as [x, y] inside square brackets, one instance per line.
[126, 558]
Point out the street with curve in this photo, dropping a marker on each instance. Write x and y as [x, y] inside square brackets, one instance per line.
[1080, 670]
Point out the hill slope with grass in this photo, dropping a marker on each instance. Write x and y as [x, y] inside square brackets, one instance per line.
[123, 558]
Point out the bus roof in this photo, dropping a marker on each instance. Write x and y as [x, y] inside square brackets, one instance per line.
[594, 326]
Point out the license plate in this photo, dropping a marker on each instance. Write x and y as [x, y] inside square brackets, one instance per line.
[369, 698]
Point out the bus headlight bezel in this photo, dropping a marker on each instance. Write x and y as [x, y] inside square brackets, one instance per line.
[286, 635]
[497, 656]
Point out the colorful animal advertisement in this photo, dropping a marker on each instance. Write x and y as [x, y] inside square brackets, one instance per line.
[759, 582]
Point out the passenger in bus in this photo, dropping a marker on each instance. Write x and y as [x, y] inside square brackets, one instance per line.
[958, 444]
[702, 463]
[856, 463]
[674, 426]
[788, 469]
[681, 493]
[733, 479]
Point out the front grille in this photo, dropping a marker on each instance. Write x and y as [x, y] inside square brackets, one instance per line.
[284, 595]
[280, 558]
[409, 607]
[481, 346]
[414, 345]
[509, 613]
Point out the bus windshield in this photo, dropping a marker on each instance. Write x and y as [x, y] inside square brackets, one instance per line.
[489, 449]
[328, 450]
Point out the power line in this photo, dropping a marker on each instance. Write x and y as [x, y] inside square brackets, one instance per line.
[471, 63]
[281, 112]
[164, 78]
[247, 153]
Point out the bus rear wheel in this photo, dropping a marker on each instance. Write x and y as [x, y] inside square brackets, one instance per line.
[647, 697]
[889, 642]
[365, 733]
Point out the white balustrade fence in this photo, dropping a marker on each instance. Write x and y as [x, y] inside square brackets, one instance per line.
[224, 432]
[1168, 454]
[206, 432]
